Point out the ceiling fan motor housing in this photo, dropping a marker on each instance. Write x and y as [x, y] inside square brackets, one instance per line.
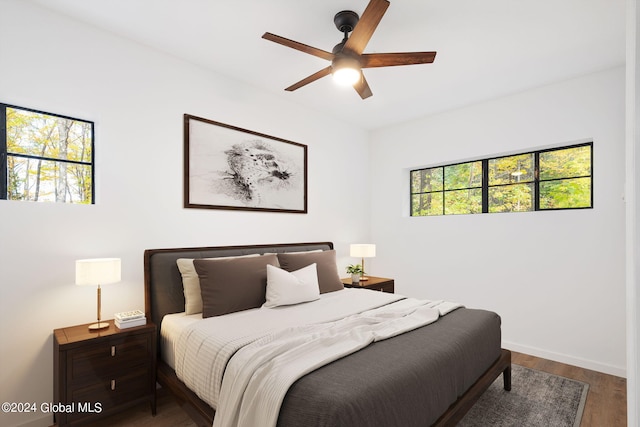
[346, 21]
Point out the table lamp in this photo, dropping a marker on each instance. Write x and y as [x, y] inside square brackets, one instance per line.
[98, 271]
[363, 250]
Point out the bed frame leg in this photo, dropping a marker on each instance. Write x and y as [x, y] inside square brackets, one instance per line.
[506, 376]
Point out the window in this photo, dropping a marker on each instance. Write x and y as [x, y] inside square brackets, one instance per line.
[45, 157]
[559, 178]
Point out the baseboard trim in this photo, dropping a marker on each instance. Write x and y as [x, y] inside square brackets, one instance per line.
[564, 358]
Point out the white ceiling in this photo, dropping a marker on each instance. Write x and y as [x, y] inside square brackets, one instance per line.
[486, 49]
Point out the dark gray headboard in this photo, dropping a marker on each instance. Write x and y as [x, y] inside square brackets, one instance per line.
[163, 282]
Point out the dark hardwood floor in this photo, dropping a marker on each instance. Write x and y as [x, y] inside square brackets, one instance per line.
[606, 403]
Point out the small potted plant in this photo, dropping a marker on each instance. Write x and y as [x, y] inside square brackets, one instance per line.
[356, 272]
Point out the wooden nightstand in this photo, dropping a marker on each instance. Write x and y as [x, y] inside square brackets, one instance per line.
[375, 283]
[96, 374]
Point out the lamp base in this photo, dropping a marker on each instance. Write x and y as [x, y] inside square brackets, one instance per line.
[364, 279]
[98, 326]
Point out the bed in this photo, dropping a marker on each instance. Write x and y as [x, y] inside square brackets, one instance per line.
[430, 375]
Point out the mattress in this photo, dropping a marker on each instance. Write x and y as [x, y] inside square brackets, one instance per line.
[172, 327]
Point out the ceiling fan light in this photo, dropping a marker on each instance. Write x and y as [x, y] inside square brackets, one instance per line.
[346, 76]
[346, 70]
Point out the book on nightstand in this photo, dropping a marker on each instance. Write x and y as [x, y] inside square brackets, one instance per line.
[129, 319]
[130, 323]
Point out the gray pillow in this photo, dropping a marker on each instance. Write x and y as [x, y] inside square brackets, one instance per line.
[191, 284]
[230, 285]
[328, 278]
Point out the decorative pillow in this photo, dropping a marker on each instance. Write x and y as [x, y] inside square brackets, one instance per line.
[230, 285]
[328, 278]
[284, 288]
[191, 283]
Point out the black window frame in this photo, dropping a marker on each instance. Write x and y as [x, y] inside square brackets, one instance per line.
[485, 181]
[4, 154]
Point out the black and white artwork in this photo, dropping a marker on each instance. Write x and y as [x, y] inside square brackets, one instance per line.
[232, 168]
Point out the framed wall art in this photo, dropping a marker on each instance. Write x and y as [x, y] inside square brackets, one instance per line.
[226, 167]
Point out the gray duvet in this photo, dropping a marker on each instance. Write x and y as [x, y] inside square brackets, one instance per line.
[409, 380]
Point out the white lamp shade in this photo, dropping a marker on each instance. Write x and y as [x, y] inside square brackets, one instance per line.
[363, 250]
[97, 271]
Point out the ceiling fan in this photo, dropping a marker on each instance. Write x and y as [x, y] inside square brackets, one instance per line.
[347, 59]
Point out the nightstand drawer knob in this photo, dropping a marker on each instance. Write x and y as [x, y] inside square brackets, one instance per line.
[113, 350]
[113, 384]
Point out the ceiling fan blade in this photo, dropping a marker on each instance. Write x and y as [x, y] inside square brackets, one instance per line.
[362, 87]
[312, 78]
[366, 26]
[298, 46]
[372, 60]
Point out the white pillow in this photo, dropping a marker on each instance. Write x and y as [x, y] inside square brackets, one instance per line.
[191, 283]
[286, 288]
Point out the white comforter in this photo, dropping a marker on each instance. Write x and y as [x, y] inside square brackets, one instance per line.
[272, 348]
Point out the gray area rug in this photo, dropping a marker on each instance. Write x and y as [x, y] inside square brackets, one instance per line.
[536, 399]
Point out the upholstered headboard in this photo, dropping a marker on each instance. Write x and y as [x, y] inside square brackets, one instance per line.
[163, 282]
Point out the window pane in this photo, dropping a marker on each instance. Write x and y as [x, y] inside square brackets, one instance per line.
[44, 135]
[415, 182]
[512, 169]
[415, 205]
[566, 163]
[426, 204]
[511, 198]
[463, 201]
[463, 175]
[431, 179]
[565, 193]
[48, 181]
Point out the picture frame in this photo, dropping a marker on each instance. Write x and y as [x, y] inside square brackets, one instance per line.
[227, 167]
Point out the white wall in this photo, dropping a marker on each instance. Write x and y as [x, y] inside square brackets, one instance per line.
[137, 97]
[556, 278]
[632, 186]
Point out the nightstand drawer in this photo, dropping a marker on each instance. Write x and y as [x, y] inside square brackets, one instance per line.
[388, 287]
[108, 393]
[100, 359]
